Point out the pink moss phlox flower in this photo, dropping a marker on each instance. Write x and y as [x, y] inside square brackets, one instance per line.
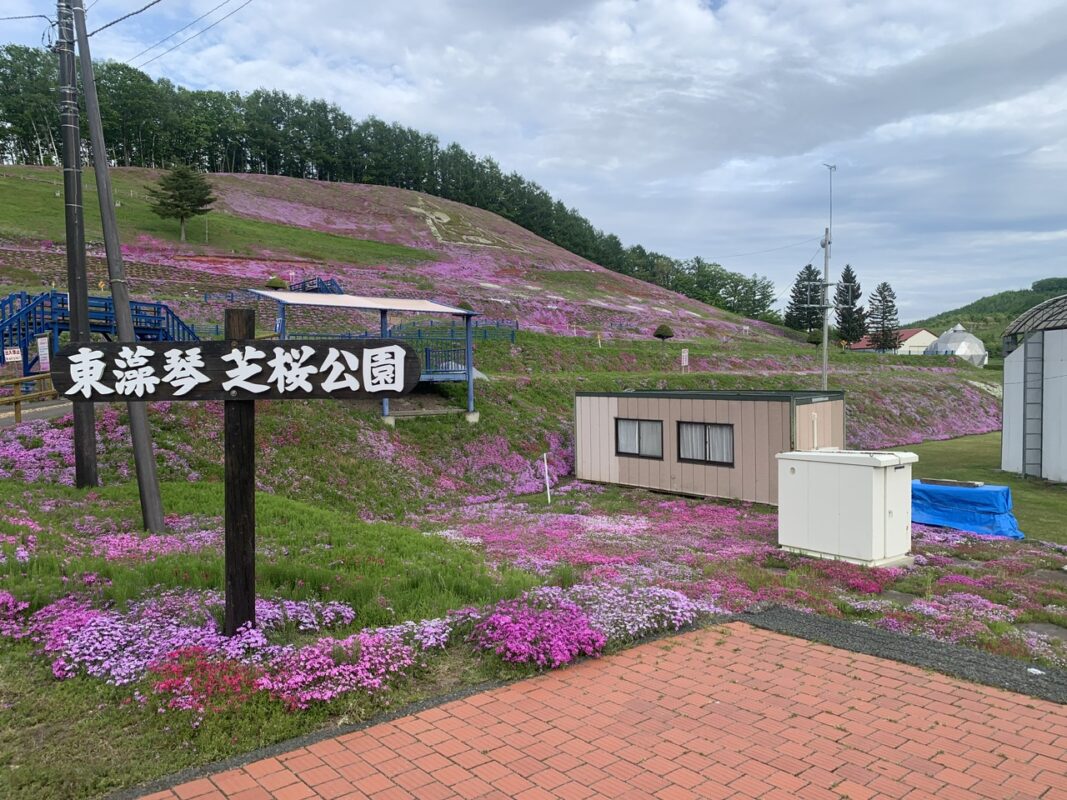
[963, 604]
[12, 613]
[120, 647]
[538, 629]
[329, 668]
[627, 614]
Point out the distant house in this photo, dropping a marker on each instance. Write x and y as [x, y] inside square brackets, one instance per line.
[913, 342]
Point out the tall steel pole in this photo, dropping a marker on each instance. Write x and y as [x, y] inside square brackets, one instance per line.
[144, 459]
[85, 473]
[826, 284]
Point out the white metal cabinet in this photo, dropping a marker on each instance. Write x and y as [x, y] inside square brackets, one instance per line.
[846, 504]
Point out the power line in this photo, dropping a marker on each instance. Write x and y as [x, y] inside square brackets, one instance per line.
[127, 16]
[772, 249]
[27, 16]
[190, 38]
[789, 286]
[175, 33]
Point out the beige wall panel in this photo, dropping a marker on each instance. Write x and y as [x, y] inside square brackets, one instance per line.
[748, 451]
[670, 456]
[704, 411]
[736, 474]
[627, 465]
[762, 454]
[805, 429]
[778, 442]
[642, 463]
[688, 471]
[602, 437]
[608, 423]
[582, 469]
[719, 477]
[838, 407]
[713, 411]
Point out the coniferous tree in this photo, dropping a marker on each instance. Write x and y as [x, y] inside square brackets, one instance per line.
[802, 312]
[882, 319]
[851, 316]
[181, 194]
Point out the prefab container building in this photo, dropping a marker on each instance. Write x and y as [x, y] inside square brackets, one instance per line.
[707, 444]
[1035, 393]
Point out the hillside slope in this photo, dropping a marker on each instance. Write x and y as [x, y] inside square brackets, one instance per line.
[988, 317]
[379, 240]
[375, 240]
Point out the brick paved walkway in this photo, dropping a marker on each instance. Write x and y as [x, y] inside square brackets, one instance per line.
[730, 712]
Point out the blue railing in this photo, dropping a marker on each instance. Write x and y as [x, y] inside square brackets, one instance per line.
[232, 296]
[444, 361]
[317, 285]
[49, 313]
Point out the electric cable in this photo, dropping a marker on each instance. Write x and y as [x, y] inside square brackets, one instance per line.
[190, 38]
[127, 16]
[175, 33]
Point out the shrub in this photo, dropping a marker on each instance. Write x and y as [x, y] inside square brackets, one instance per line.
[464, 305]
[274, 282]
[663, 332]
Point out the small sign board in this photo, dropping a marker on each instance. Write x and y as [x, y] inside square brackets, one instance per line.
[338, 369]
[685, 357]
[44, 354]
[13, 356]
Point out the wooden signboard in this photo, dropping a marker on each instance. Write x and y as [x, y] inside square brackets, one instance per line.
[338, 369]
[238, 371]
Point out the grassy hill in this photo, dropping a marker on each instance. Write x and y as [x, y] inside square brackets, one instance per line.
[581, 326]
[988, 317]
[375, 240]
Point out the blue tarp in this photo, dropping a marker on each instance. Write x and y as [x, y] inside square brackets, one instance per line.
[982, 509]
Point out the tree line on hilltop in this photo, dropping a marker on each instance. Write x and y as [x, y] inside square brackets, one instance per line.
[879, 320]
[158, 124]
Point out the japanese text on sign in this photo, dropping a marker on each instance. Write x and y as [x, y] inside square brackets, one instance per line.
[292, 369]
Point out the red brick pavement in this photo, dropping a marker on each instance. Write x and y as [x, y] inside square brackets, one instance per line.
[727, 712]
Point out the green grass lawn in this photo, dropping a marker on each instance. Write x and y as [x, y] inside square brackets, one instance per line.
[83, 738]
[30, 209]
[1040, 506]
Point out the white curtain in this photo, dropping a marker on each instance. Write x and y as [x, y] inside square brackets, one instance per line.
[721, 443]
[652, 439]
[626, 431]
[691, 441]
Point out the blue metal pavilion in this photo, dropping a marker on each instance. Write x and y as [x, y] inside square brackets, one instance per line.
[440, 356]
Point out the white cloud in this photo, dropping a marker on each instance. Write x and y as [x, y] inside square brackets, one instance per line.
[700, 128]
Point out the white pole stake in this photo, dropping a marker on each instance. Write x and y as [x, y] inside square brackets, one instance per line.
[548, 486]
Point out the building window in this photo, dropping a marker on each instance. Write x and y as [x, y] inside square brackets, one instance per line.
[639, 437]
[706, 443]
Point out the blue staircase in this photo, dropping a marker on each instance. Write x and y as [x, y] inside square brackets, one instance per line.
[24, 317]
[318, 286]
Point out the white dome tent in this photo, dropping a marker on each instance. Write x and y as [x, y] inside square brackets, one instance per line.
[956, 341]
[1035, 392]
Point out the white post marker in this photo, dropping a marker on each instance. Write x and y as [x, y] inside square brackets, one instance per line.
[44, 355]
[685, 359]
[548, 486]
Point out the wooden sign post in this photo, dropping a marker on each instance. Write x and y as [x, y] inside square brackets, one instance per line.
[237, 371]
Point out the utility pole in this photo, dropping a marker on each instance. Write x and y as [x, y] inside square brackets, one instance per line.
[85, 472]
[826, 306]
[144, 458]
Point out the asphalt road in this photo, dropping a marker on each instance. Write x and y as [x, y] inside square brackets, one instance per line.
[43, 409]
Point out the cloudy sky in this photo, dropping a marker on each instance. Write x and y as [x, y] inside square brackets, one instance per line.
[695, 127]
